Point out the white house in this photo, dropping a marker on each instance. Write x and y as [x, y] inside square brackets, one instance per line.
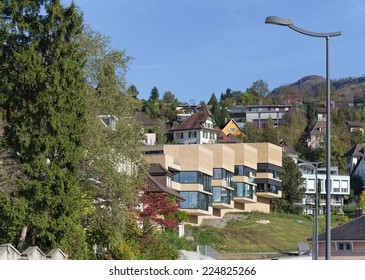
[197, 129]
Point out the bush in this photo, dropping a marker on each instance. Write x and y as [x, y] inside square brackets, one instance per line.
[349, 210]
[157, 248]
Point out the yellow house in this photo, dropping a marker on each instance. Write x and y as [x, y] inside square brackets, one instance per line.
[232, 127]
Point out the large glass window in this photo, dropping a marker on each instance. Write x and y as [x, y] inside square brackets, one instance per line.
[268, 188]
[195, 200]
[222, 195]
[223, 174]
[242, 189]
[269, 168]
[194, 177]
[242, 170]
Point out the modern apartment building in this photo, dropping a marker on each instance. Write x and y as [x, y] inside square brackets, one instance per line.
[215, 179]
[340, 186]
[259, 114]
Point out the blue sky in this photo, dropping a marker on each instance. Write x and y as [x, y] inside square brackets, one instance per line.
[194, 48]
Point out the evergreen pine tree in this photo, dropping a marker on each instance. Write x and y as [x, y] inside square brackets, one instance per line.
[41, 90]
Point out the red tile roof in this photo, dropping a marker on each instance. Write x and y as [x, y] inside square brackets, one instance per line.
[195, 121]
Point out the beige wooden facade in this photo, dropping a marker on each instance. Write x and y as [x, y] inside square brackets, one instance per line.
[216, 179]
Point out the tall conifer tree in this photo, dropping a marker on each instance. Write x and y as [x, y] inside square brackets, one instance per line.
[41, 91]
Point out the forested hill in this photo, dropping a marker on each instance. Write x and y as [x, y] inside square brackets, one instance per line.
[312, 88]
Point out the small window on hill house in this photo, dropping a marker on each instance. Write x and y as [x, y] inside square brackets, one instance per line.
[232, 129]
[344, 247]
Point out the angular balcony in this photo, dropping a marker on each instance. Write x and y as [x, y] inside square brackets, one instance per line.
[222, 198]
[268, 188]
[244, 193]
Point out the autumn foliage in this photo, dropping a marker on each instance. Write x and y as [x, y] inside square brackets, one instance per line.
[160, 209]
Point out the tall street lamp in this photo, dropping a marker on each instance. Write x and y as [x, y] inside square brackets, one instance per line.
[314, 165]
[288, 22]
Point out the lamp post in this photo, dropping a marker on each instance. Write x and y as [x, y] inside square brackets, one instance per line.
[288, 22]
[314, 165]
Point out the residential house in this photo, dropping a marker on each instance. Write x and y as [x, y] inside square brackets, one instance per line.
[197, 129]
[355, 126]
[289, 151]
[232, 128]
[340, 187]
[159, 180]
[347, 241]
[321, 114]
[317, 135]
[215, 179]
[223, 138]
[148, 125]
[353, 156]
[109, 121]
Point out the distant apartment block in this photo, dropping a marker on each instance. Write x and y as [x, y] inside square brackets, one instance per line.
[259, 114]
[340, 186]
[214, 179]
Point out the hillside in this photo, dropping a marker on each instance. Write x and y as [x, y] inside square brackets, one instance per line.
[257, 232]
[312, 89]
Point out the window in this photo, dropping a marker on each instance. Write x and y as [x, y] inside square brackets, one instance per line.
[336, 185]
[244, 190]
[192, 134]
[232, 129]
[221, 195]
[311, 185]
[344, 246]
[223, 174]
[195, 200]
[241, 170]
[194, 177]
[344, 186]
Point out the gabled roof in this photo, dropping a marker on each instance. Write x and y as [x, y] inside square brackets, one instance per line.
[321, 110]
[319, 124]
[289, 151]
[356, 151]
[235, 124]
[223, 138]
[354, 124]
[195, 121]
[353, 230]
[155, 186]
[144, 119]
[158, 169]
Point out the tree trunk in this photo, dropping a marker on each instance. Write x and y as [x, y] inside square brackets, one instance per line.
[22, 238]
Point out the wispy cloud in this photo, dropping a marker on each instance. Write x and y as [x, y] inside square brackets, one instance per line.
[149, 67]
[159, 11]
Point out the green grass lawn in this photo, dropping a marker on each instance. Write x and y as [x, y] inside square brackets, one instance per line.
[245, 236]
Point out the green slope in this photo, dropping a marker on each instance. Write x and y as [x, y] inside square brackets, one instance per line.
[242, 233]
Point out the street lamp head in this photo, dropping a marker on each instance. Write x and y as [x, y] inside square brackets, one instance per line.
[278, 21]
[289, 23]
